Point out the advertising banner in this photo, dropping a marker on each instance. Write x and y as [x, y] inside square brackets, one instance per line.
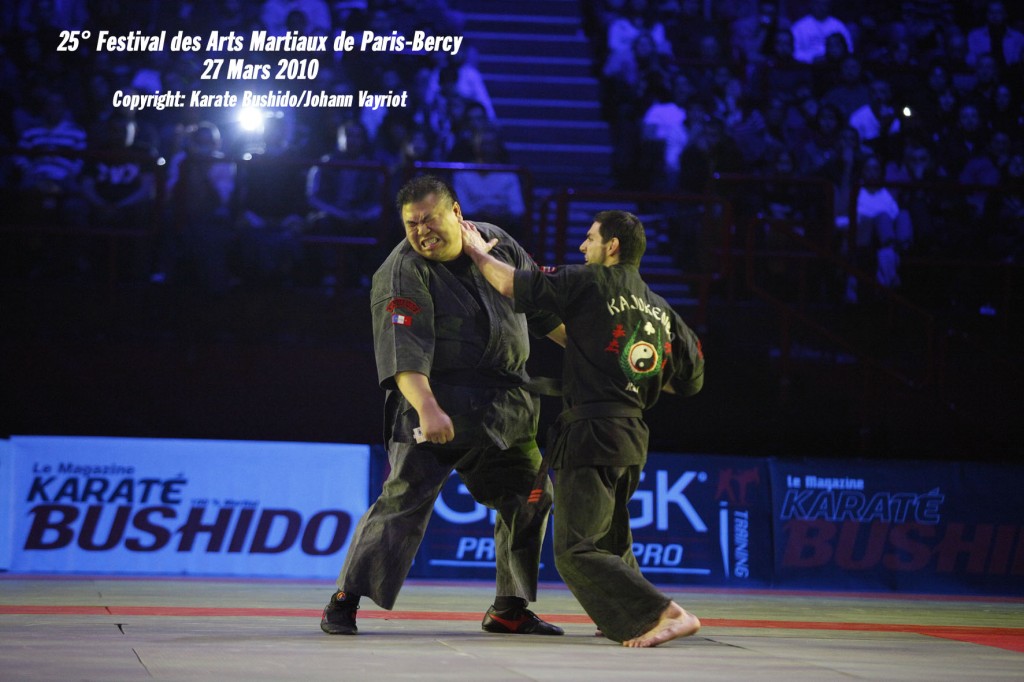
[6, 504]
[193, 507]
[703, 520]
[696, 520]
[901, 526]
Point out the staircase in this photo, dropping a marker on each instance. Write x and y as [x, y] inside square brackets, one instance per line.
[536, 63]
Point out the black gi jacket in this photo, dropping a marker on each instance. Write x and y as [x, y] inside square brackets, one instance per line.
[624, 344]
[443, 320]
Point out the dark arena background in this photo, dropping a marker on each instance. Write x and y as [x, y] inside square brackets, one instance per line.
[195, 196]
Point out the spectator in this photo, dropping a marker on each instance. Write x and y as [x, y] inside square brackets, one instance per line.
[1006, 112]
[987, 168]
[389, 80]
[827, 71]
[492, 196]
[752, 36]
[783, 200]
[344, 201]
[903, 73]
[665, 126]
[49, 169]
[118, 182]
[729, 96]
[967, 139]
[639, 19]
[850, 93]
[272, 206]
[883, 230]
[468, 81]
[929, 209]
[877, 122]
[200, 189]
[1006, 240]
[450, 107]
[811, 30]
[982, 87]
[119, 185]
[844, 170]
[686, 27]
[761, 144]
[937, 117]
[473, 120]
[419, 144]
[428, 110]
[317, 15]
[781, 75]
[996, 38]
[923, 22]
[709, 152]
[598, 16]
[823, 146]
[629, 87]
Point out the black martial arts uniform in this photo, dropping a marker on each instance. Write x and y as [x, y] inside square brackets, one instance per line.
[443, 320]
[624, 344]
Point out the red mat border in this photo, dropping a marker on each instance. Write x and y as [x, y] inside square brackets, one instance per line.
[1010, 639]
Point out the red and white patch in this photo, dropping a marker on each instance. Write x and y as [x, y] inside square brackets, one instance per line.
[404, 304]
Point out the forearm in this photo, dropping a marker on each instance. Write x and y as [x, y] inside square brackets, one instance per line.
[435, 424]
[416, 389]
[499, 275]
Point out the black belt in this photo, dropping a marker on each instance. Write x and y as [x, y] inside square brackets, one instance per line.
[575, 414]
[468, 377]
[598, 411]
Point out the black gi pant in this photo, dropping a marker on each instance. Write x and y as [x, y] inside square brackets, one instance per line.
[387, 537]
[593, 542]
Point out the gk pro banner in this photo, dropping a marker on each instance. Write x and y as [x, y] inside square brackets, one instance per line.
[192, 507]
[696, 520]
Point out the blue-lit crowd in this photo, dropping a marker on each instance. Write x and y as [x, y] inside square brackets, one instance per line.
[861, 95]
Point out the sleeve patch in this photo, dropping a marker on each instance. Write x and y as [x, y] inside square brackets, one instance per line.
[401, 320]
[403, 303]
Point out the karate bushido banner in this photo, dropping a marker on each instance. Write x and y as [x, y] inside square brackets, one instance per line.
[193, 507]
[902, 526]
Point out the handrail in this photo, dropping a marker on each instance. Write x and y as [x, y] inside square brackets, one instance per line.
[944, 186]
[564, 196]
[891, 298]
[560, 200]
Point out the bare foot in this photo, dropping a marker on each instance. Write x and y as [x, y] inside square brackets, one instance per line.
[675, 622]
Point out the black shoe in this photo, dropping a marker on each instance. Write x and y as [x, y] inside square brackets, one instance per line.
[339, 617]
[518, 621]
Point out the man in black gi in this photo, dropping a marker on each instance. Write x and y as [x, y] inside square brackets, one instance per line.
[625, 346]
[451, 354]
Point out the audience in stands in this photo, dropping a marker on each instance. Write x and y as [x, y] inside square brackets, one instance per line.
[926, 90]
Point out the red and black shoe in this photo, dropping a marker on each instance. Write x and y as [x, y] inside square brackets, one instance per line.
[339, 616]
[518, 621]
